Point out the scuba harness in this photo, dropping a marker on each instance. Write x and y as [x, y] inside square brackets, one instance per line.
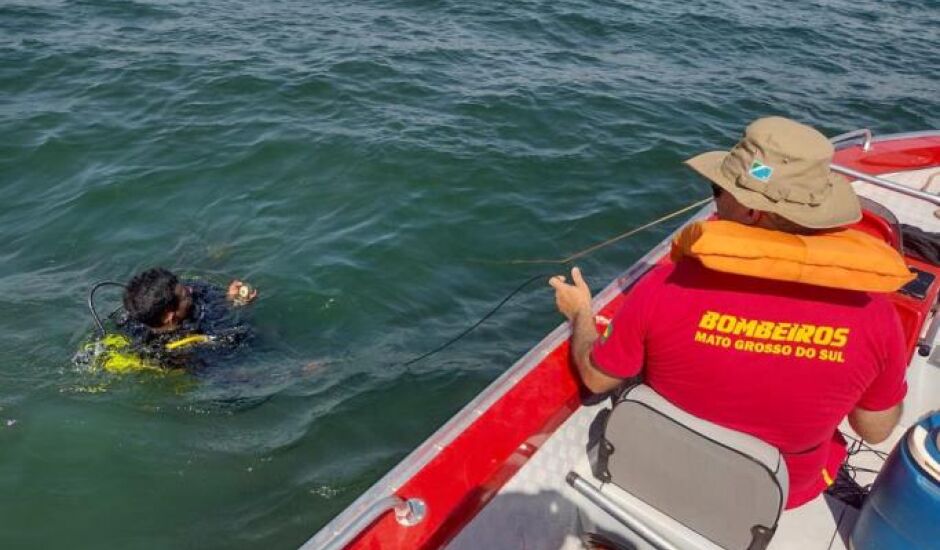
[118, 353]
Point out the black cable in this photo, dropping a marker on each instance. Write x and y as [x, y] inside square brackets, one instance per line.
[91, 302]
[96, 286]
[859, 446]
[846, 487]
[478, 323]
[563, 261]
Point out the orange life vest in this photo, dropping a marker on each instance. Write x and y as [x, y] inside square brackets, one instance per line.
[843, 258]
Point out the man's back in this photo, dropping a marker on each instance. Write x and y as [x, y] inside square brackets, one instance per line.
[785, 362]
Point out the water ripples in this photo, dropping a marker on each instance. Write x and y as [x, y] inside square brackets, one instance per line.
[356, 161]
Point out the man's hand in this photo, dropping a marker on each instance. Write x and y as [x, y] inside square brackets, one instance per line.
[572, 300]
[240, 294]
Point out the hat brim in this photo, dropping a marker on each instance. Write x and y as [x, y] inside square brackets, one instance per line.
[839, 209]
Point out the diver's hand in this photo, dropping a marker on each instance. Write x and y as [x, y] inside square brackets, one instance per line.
[241, 294]
[572, 300]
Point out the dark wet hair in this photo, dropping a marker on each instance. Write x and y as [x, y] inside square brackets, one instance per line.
[150, 294]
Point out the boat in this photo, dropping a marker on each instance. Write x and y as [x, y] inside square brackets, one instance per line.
[505, 471]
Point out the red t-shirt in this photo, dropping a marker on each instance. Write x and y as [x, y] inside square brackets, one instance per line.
[785, 362]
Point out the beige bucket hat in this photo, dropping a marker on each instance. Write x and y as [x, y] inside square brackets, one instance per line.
[782, 166]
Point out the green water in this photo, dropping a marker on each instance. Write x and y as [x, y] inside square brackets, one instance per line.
[355, 161]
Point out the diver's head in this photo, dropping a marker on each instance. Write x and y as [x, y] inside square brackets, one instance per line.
[156, 298]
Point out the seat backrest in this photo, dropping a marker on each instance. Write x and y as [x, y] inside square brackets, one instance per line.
[727, 486]
[878, 221]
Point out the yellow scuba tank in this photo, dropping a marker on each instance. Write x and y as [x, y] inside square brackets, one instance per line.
[113, 353]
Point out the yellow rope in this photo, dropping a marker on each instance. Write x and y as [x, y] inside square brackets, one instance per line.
[598, 246]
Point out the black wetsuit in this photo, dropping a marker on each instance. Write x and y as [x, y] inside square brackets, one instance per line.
[212, 315]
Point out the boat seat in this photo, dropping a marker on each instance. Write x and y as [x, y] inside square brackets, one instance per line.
[682, 479]
[880, 222]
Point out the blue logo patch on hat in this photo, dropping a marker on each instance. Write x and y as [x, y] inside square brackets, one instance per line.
[760, 171]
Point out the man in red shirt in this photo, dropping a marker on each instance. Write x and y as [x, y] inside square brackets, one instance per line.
[783, 361]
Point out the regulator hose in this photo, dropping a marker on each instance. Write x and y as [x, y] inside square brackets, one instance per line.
[91, 302]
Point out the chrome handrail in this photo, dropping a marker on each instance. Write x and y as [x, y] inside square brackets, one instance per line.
[864, 133]
[407, 513]
[925, 344]
[887, 184]
[605, 503]
[866, 136]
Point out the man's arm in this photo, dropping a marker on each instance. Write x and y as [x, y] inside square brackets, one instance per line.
[874, 426]
[879, 408]
[574, 302]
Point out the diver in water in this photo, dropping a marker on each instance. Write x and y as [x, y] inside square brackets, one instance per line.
[175, 322]
[167, 323]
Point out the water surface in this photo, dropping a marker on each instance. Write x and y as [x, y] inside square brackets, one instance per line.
[355, 161]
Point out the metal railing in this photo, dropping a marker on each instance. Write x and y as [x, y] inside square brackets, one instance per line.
[887, 184]
[407, 513]
[606, 504]
[864, 133]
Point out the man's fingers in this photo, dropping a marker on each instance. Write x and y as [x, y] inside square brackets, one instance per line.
[557, 281]
[577, 278]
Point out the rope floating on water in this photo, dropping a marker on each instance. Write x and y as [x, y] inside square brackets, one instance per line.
[608, 242]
